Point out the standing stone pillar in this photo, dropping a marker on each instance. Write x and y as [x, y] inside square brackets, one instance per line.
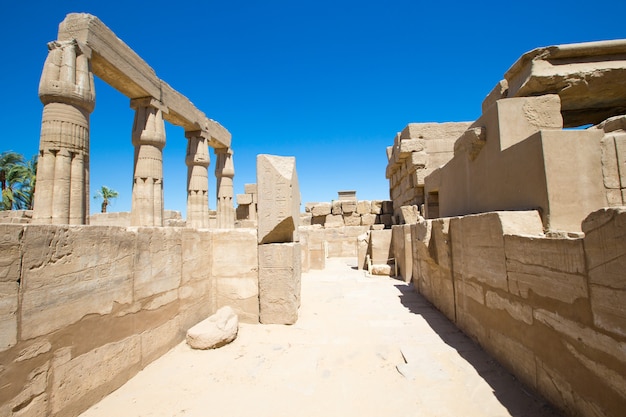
[149, 141]
[279, 251]
[67, 91]
[225, 171]
[197, 161]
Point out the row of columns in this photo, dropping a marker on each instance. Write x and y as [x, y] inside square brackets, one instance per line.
[67, 92]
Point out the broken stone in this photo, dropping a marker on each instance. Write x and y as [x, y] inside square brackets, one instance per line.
[218, 330]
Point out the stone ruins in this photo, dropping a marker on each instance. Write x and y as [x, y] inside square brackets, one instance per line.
[513, 225]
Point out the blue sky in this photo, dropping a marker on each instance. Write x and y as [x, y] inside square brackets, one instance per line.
[329, 82]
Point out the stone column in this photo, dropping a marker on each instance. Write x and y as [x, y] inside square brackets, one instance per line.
[197, 161]
[67, 91]
[225, 171]
[149, 141]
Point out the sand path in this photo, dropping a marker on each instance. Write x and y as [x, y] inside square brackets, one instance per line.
[363, 346]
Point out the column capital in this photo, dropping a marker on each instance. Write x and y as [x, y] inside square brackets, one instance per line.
[67, 76]
[148, 102]
[197, 148]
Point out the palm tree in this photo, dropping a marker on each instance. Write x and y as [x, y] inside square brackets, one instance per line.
[24, 177]
[106, 194]
[9, 179]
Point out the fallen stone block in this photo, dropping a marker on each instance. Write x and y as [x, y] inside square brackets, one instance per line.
[218, 330]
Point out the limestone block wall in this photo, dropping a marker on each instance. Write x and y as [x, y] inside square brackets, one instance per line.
[340, 213]
[551, 309]
[417, 151]
[84, 308]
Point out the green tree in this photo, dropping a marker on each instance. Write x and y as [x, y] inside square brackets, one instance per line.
[11, 180]
[106, 194]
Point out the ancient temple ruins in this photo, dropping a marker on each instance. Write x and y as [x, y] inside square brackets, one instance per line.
[513, 226]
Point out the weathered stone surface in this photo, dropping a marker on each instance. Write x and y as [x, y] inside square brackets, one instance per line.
[234, 269]
[157, 262]
[333, 220]
[368, 219]
[364, 207]
[380, 249]
[590, 89]
[409, 214]
[8, 314]
[377, 206]
[279, 283]
[104, 366]
[321, 209]
[279, 199]
[244, 199]
[336, 207]
[352, 219]
[214, 332]
[70, 272]
[607, 306]
[552, 268]
[517, 311]
[348, 206]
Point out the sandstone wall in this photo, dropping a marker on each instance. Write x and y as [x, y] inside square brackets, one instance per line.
[340, 213]
[553, 310]
[84, 308]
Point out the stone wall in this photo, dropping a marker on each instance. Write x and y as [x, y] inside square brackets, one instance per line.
[551, 309]
[84, 308]
[340, 213]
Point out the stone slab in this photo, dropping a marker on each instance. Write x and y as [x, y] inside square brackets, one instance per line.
[278, 199]
[279, 283]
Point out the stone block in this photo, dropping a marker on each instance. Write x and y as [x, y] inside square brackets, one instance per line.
[244, 199]
[409, 214]
[156, 341]
[306, 219]
[352, 219]
[87, 378]
[279, 283]
[377, 207]
[362, 243]
[250, 188]
[552, 268]
[336, 207]
[70, 272]
[8, 314]
[516, 310]
[216, 331]
[380, 249]
[321, 209]
[278, 199]
[385, 219]
[608, 306]
[368, 219]
[158, 261]
[610, 165]
[478, 249]
[333, 220]
[387, 207]
[10, 257]
[364, 207]
[348, 206]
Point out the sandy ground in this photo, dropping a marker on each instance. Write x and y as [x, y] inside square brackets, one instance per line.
[363, 346]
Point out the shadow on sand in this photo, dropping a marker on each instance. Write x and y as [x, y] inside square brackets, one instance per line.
[512, 394]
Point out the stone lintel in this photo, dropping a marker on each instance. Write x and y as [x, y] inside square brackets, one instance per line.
[119, 66]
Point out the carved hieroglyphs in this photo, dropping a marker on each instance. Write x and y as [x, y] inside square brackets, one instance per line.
[279, 199]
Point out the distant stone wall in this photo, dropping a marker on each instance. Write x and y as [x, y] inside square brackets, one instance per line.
[84, 308]
[339, 213]
[551, 309]
[122, 219]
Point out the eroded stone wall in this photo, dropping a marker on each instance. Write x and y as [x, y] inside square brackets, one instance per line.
[551, 309]
[84, 308]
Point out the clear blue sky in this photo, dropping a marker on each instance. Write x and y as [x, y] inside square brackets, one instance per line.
[329, 82]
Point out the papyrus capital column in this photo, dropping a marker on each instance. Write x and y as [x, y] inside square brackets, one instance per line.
[67, 91]
[149, 140]
[225, 172]
[197, 161]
